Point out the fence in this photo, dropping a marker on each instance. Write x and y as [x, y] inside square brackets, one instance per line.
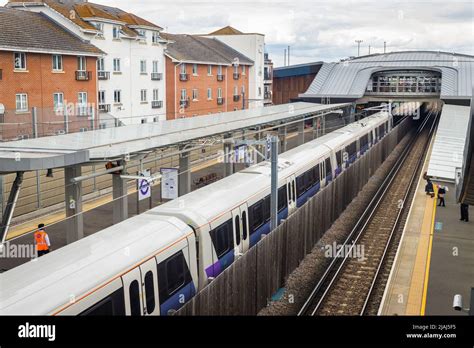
[245, 287]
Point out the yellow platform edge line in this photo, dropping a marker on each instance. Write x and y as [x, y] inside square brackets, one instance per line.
[428, 257]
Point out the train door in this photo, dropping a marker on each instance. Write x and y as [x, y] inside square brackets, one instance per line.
[133, 292]
[240, 228]
[291, 193]
[150, 288]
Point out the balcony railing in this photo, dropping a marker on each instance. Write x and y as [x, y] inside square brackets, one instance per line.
[236, 98]
[156, 104]
[184, 103]
[83, 75]
[156, 76]
[83, 110]
[236, 76]
[104, 107]
[267, 95]
[103, 75]
[220, 77]
[183, 77]
[220, 101]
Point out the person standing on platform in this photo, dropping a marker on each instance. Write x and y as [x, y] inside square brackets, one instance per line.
[441, 193]
[464, 212]
[429, 189]
[42, 241]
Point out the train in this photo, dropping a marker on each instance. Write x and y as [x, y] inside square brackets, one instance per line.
[155, 262]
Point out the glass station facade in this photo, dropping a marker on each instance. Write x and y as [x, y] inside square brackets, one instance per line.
[403, 82]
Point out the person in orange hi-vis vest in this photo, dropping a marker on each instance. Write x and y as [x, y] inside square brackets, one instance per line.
[42, 241]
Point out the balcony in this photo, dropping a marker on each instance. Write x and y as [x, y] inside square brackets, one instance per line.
[183, 77]
[220, 101]
[104, 107]
[220, 77]
[156, 104]
[236, 76]
[267, 95]
[156, 76]
[84, 110]
[103, 75]
[236, 98]
[184, 103]
[83, 75]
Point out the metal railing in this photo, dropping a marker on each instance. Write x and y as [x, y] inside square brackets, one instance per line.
[220, 101]
[156, 76]
[104, 107]
[236, 76]
[103, 75]
[220, 77]
[184, 103]
[83, 75]
[236, 98]
[156, 104]
[183, 77]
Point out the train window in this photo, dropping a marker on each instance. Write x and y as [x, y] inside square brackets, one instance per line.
[328, 166]
[114, 304]
[222, 238]
[376, 132]
[339, 158]
[149, 292]
[256, 215]
[134, 293]
[266, 208]
[316, 174]
[282, 198]
[381, 131]
[294, 190]
[351, 149]
[363, 141]
[370, 137]
[237, 230]
[300, 185]
[173, 275]
[244, 225]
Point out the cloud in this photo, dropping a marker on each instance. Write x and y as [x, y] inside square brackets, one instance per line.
[321, 30]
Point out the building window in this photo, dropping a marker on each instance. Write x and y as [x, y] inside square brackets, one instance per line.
[243, 69]
[260, 91]
[155, 37]
[195, 94]
[156, 94]
[142, 33]
[143, 66]
[219, 93]
[58, 101]
[116, 64]
[116, 32]
[183, 68]
[243, 90]
[143, 95]
[81, 63]
[209, 93]
[82, 103]
[236, 69]
[209, 70]
[155, 66]
[236, 90]
[101, 97]
[118, 96]
[20, 61]
[99, 27]
[183, 94]
[100, 64]
[22, 102]
[195, 69]
[219, 70]
[57, 62]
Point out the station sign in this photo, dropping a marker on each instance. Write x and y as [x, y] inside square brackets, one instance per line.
[144, 187]
[169, 183]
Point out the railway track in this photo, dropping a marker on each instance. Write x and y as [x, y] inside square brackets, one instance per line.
[355, 279]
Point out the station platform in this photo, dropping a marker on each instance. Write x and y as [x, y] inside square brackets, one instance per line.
[435, 259]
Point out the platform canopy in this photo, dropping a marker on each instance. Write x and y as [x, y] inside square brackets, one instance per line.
[105, 144]
[448, 147]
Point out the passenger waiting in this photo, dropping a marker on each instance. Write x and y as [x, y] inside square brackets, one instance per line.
[429, 188]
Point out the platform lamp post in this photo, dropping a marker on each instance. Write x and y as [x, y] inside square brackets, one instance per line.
[458, 305]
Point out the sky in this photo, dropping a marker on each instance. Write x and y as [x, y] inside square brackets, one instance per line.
[321, 30]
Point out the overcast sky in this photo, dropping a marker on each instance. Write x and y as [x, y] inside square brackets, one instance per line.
[321, 30]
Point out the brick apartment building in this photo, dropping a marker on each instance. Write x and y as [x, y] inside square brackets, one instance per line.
[45, 67]
[204, 76]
